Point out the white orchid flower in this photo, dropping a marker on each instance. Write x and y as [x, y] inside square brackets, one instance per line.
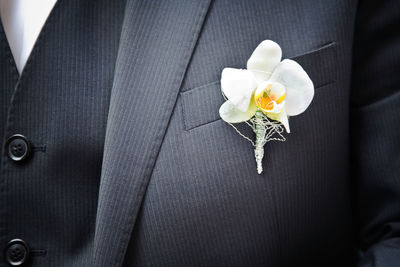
[278, 88]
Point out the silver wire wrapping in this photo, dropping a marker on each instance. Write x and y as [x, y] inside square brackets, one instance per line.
[265, 130]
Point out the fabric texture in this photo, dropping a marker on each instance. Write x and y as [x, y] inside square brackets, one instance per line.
[60, 103]
[375, 120]
[139, 170]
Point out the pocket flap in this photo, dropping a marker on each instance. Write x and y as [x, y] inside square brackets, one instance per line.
[200, 105]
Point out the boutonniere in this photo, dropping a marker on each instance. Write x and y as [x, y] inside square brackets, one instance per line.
[265, 95]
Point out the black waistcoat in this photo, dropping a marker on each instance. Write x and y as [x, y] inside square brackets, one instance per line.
[60, 104]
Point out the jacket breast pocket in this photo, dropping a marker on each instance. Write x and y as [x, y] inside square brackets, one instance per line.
[200, 105]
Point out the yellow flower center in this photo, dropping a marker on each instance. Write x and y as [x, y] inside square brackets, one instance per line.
[266, 97]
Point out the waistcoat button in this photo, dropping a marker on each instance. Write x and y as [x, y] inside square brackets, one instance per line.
[17, 252]
[18, 147]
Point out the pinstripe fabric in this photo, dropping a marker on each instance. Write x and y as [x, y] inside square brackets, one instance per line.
[60, 102]
[139, 171]
[200, 105]
[8, 79]
[375, 103]
[205, 204]
[144, 75]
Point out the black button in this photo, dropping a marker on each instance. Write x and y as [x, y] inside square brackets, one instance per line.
[18, 147]
[17, 252]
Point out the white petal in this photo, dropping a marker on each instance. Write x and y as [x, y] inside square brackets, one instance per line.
[264, 59]
[238, 86]
[260, 76]
[284, 119]
[299, 87]
[278, 113]
[231, 114]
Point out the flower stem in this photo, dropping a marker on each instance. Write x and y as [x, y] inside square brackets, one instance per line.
[260, 135]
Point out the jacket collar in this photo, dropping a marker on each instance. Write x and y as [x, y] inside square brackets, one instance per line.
[156, 45]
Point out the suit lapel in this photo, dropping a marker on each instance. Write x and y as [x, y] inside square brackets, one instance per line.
[157, 41]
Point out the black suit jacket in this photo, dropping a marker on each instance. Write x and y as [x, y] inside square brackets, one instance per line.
[179, 187]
